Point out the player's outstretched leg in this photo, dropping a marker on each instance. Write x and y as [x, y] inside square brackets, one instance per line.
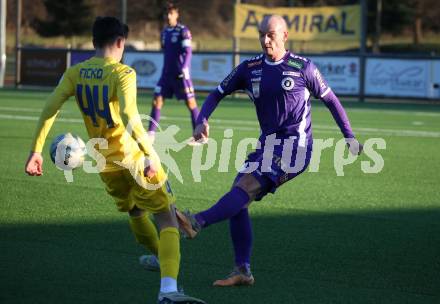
[146, 234]
[241, 235]
[169, 260]
[229, 205]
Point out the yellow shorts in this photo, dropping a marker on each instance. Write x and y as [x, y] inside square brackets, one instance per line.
[151, 194]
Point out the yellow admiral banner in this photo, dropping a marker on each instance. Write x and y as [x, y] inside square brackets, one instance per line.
[304, 23]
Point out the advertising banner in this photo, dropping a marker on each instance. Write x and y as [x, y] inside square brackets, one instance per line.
[207, 70]
[80, 56]
[398, 77]
[148, 67]
[42, 67]
[304, 23]
[342, 73]
[435, 85]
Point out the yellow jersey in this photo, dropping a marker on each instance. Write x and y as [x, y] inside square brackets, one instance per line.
[105, 91]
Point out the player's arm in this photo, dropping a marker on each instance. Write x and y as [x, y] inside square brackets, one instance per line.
[233, 82]
[187, 53]
[162, 40]
[62, 92]
[320, 89]
[127, 95]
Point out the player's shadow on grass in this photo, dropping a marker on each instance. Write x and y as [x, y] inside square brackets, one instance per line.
[375, 257]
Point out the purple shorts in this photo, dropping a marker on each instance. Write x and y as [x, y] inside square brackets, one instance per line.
[273, 170]
[173, 85]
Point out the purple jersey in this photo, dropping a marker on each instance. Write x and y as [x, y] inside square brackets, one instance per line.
[176, 45]
[280, 91]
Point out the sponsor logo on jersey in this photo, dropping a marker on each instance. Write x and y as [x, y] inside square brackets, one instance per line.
[251, 64]
[295, 63]
[257, 72]
[228, 78]
[174, 39]
[291, 73]
[256, 57]
[287, 83]
[298, 57]
[320, 79]
[256, 89]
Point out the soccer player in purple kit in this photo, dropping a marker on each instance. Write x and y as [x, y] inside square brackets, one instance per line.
[175, 78]
[280, 84]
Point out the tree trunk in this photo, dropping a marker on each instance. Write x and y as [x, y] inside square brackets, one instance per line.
[417, 30]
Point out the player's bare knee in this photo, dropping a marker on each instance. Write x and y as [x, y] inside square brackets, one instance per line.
[191, 103]
[158, 102]
[136, 212]
[166, 219]
[250, 185]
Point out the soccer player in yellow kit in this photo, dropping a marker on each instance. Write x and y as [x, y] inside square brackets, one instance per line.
[105, 91]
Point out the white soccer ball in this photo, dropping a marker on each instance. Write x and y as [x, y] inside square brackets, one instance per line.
[68, 151]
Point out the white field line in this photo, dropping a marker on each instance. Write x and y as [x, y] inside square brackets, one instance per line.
[30, 110]
[252, 126]
[396, 112]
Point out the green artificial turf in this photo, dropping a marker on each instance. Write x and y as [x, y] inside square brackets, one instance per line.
[322, 238]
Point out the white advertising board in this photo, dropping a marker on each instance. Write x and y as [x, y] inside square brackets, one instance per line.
[398, 77]
[148, 67]
[207, 70]
[341, 73]
[435, 83]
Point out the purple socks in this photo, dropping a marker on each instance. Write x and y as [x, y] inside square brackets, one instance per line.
[229, 205]
[232, 206]
[241, 234]
[155, 117]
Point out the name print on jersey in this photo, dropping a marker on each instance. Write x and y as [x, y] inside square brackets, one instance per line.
[92, 73]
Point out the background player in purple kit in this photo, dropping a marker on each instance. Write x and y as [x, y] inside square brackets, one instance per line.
[175, 78]
[280, 84]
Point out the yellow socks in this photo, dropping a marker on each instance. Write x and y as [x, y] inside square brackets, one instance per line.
[145, 233]
[169, 253]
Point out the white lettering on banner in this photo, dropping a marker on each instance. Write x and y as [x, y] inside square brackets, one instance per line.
[397, 77]
[341, 73]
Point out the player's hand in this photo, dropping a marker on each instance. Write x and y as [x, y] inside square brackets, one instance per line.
[150, 168]
[34, 164]
[354, 146]
[201, 132]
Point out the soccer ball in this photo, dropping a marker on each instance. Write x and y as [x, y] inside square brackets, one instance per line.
[67, 151]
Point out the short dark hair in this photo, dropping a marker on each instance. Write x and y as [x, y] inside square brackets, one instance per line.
[106, 30]
[171, 6]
